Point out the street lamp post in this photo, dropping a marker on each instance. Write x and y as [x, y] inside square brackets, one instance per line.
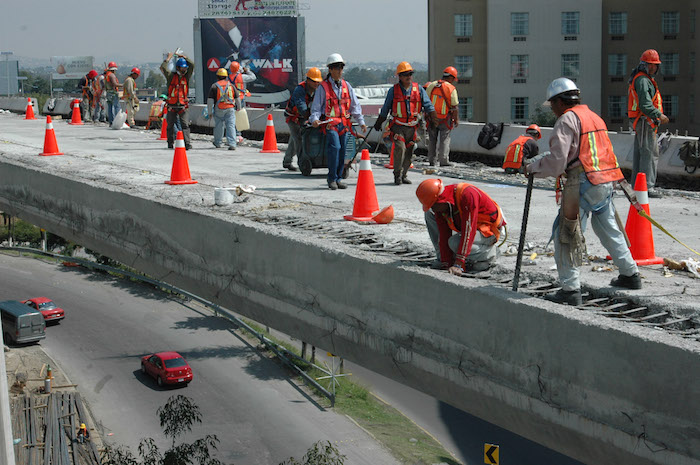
[7, 69]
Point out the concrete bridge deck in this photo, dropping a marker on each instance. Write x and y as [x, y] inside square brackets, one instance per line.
[597, 389]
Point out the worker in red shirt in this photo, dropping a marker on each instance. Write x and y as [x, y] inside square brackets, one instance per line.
[464, 224]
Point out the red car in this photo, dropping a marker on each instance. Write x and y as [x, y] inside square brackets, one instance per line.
[51, 312]
[167, 368]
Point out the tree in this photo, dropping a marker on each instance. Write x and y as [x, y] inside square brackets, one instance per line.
[321, 453]
[155, 80]
[543, 116]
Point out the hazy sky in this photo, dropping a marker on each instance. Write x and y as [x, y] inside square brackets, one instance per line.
[361, 30]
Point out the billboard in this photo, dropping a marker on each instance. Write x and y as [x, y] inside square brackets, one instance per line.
[239, 8]
[9, 71]
[71, 67]
[272, 47]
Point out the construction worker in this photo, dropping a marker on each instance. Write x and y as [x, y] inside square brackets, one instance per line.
[86, 103]
[112, 88]
[221, 103]
[444, 96]
[130, 98]
[82, 434]
[99, 98]
[297, 112]
[464, 224]
[405, 101]
[240, 80]
[523, 146]
[178, 103]
[336, 101]
[580, 149]
[646, 113]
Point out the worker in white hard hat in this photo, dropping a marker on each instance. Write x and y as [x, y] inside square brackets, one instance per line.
[221, 102]
[581, 151]
[333, 106]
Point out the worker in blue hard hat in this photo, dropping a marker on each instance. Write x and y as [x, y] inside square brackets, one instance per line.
[178, 89]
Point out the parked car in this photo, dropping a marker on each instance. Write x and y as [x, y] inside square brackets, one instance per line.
[52, 313]
[21, 324]
[167, 368]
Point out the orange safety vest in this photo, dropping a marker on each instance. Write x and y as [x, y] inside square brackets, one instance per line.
[156, 110]
[237, 81]
[225, 95]
[440, 96]
[400, 106]
[633, 110]
[177, 90]
[291, 111]
[108, 84]
[514, 152]
[337, 109]
[487, 223]
[595, 149]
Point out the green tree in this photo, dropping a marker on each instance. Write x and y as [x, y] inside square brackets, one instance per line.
[155, 80]
[321, 453]
[543, 116]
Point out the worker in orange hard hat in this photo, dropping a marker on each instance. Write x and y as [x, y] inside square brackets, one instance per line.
[111, 84]
[130, 98]
[464, 224]
[522, 147]
[221, 104]
[87, 101]
[646, 112]
[406, 101]
[444, 96]
[240, 77]
[297, 112]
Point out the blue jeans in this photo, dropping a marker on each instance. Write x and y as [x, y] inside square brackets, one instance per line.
[113, 106]
[225, 118]
[335, 153]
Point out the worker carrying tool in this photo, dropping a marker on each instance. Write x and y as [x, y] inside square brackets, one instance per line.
[406, 100]
[522, 147]
[297, 112]
[178, 91]
[580, 150]
[444, 96]
[464, 224]
[240, 79]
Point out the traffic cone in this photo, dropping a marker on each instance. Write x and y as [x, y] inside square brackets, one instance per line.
[270, 140]
[639, 228]
[164, 127]
[390, 165]
[366, 204]
[180, 173]
[75, 118]
[30, 110]
[50, 145]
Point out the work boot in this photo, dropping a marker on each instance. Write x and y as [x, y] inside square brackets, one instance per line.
[341, 185]
[232, 147]
[476, 267]
[397, 179]
[655, 194]
[630, 282]
[405, 180]
[333, 185]
[566, 297]
[290, 167]
[445, 163]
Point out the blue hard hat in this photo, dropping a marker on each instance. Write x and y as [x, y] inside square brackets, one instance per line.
[181, 63]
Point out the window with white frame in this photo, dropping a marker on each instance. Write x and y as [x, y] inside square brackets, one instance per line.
[617, 64]
[519, 24]
[669, 64]
[570, 65]
[570, 22]
[466, 108]
[670, 103]
[670, 22]
[463, 25]
[617, 22]
[465, 66]
[519, 109]
[519, 66]
[616, 106]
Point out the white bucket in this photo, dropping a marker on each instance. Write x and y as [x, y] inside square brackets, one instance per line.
[222, 196]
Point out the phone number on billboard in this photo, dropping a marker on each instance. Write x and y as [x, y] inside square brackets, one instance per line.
[233, 8]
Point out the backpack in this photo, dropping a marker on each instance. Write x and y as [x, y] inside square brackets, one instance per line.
[490, 135]
[688, 153]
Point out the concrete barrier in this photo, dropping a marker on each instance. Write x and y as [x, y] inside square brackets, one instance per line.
[18, 105]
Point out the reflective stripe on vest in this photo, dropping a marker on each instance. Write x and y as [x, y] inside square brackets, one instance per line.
[108, 84]
[337, 110]
[633, 110]
[156, 109]
[237, 81]
[440, 96]
[487, 223]
[514, 153]
[291, 111]
[177, 90]
[224, 94]
[401, 102]
[595, 149]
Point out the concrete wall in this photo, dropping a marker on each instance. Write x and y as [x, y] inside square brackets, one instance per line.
[578, 383]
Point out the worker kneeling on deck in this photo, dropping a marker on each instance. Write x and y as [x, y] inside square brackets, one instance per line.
[522, 147]
[464, 224]
[581, 151]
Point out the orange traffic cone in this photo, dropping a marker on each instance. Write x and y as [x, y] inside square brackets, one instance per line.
[366, 204]
[390, 165]
[270, 140]
[180, 173]
[164, 127]
[50, 145]
[639, 228]
[30, 110]
[75, 118]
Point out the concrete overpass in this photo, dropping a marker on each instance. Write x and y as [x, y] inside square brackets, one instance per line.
[600, 390]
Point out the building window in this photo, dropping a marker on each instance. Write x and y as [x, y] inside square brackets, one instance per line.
[669, 64]
[570, 65]
[519, 66]
[463, 25]
[519, 109]
[615, 106]
[670, 103]
[465, 66]
[569, 23]
[670, 22]
[617, 23]
[519, 24]
[617, 64]
[466, 108]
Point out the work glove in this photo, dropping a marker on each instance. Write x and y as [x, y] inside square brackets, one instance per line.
[433, 118]
[378, 124]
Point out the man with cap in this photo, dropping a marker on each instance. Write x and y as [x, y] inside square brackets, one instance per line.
[464, 224]
[646, 113]
[221, 103]
[297, 112]
[444, 96]
[405, 100]
[112, 88]
[336, 102]
[130, 98]
[524, 146]
[86, 85]
[178, 102]
[580, 150]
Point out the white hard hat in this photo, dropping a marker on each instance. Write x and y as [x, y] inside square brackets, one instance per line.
[334, 58]
[559, 86]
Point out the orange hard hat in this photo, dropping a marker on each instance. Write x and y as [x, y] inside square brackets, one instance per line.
[314, 74]
[534, 128]
[234, 67]
[385, 216]
[428, 192]
[651, 56]
[136, 71]
[404, 67]
[451, 71]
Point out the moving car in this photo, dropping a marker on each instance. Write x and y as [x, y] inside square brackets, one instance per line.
[167, 368]
[21, 324]
[48, 309]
